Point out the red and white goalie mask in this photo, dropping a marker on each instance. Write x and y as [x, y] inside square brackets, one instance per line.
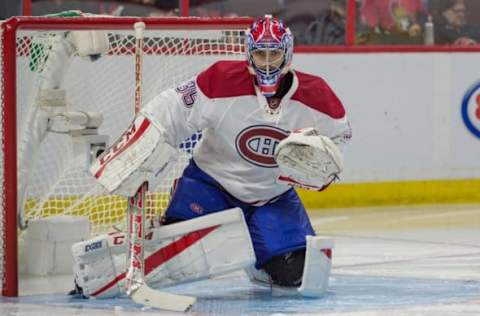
[269, 52]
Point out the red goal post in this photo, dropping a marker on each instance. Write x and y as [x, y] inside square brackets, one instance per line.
[53, 183]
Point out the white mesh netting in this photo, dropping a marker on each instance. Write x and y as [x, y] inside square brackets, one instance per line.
[56, 182]
[52, 167]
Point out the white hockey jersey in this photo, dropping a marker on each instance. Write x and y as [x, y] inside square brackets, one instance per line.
[239, 136]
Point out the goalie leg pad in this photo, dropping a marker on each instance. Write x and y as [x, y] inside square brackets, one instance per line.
[182, 252]
[318, 264]
[314, 277]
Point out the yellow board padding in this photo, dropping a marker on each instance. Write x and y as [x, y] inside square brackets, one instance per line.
[343, 195]
[111, 209]
[102, 210]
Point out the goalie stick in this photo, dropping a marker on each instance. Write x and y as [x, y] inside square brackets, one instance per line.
[136, 287]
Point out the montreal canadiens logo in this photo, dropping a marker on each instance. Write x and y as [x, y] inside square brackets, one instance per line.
[471, 109]
[257, 144]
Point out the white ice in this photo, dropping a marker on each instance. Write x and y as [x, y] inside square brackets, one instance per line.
[387, 261]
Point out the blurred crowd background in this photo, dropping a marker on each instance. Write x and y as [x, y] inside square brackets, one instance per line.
[313, 22]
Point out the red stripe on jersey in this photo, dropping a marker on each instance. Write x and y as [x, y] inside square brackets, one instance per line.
[163, 255]
[315, 93]
[226, 79]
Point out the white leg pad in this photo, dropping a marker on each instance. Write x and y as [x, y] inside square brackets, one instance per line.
[316, 271]
[182, 252]
[318, 263]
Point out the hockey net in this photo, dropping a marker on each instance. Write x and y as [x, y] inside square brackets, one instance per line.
[52, 156]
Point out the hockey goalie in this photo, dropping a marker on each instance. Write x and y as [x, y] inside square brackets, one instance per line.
[266, 129]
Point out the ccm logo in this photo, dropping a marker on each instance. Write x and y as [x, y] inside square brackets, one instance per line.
[93, 246]
[119, 143]
[120, 239]
[133, 133]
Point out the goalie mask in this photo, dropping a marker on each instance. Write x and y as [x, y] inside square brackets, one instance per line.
[269, 52]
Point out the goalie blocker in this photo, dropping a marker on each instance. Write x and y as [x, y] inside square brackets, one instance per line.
[133, 158]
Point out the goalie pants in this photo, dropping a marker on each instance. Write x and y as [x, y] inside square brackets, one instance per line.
[276, 228]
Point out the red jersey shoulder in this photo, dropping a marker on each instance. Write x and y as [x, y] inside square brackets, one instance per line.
[227, 78]
[315, 93]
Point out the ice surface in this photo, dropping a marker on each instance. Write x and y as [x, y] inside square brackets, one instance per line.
[386, 262]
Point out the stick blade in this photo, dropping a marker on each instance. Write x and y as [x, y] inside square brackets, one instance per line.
[149, 297]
